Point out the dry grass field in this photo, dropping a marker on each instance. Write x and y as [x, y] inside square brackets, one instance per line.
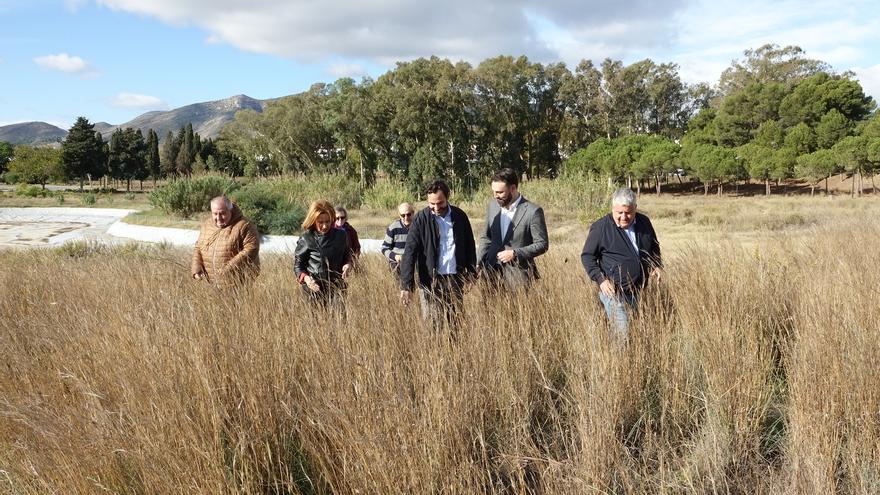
[754, 368]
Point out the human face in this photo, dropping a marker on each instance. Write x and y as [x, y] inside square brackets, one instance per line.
[406, 215]
[503, 193]
[220, 214]
[341, 218]
[438, 203]
[623, 215]
[323, 223]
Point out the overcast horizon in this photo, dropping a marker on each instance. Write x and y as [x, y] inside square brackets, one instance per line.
[113, 60]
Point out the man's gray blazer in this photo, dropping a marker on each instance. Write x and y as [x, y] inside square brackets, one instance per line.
[527, 236]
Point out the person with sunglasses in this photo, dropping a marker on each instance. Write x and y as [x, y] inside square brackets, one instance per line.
[395, 236]
[354, 244]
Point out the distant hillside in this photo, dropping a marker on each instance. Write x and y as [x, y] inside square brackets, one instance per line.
[207, 118]
[32, 133]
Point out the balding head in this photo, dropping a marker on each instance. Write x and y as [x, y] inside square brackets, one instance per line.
[221, 211]
[405, 211]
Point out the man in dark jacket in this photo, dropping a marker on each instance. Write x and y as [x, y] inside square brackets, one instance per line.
[440, 246]
[620, 255]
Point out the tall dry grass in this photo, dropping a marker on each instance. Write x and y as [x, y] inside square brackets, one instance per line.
[748, 371]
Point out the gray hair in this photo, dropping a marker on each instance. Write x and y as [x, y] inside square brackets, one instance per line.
[224, 199]
[624, 197]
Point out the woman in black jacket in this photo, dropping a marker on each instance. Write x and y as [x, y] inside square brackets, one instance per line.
[322, 258]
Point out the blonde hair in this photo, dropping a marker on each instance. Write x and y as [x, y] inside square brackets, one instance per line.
[315, 211]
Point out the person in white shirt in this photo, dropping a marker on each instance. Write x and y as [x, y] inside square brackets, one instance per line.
[440, 247]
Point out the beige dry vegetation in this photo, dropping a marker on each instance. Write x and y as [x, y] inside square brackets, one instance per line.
[754, 369]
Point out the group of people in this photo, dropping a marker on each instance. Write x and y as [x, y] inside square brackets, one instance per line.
[434, 249]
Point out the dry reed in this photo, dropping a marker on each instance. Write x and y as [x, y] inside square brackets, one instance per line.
[748, 371]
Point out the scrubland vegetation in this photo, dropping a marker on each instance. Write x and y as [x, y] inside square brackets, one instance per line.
[752, 369]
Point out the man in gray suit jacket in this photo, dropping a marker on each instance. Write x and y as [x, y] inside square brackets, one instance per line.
[514, 236]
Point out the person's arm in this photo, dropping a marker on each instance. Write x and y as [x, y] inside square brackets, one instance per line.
[410, 254]
[388, 243]
[485, 238]
[470, 246]
[591, 253]
[355, 242]
[197, 269]
[301, 263]
[540, 242]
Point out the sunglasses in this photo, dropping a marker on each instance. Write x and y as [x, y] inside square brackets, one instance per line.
[341, 218]
[404, 215]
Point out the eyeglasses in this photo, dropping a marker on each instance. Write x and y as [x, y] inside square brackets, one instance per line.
[341, 218]
[404, 215]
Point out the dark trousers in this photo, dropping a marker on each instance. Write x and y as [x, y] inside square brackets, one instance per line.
[442, 302]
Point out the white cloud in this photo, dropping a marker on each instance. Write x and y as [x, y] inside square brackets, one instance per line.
[869, 78]
[74, 5]
[713, 33]
[65, 63]
[132, 100]
[386, 31]
[347, 70]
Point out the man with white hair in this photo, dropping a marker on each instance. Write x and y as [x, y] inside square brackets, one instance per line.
[228, 249]
[620, 255]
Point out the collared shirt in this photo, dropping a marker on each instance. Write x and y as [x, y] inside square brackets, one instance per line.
[507, 215]
[446, 264]
[631, 235]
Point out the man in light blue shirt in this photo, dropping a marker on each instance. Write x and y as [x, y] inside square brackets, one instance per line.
[440, 246]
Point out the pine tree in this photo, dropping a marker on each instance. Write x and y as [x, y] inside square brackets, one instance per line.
[169, 155]
[82, 152]
[153, 160]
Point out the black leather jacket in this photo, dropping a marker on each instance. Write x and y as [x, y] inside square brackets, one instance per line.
[322, 256]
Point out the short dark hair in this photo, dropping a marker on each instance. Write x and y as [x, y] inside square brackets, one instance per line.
[507, 176]
[435, 186]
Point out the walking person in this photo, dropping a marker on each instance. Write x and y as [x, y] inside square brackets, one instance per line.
[515, 234]
[322, 258]
[620, 255]
[227, 252]
[395, 237]
[440, 247]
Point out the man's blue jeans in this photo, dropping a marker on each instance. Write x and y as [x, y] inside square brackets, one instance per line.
[616, 307]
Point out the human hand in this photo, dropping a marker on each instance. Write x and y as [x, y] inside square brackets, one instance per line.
[346, 269]
[607, 287]
[198, 276]
[405, 297]
[506, 256]
[312, 284]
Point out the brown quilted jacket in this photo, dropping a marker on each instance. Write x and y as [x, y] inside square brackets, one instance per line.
[228, 255]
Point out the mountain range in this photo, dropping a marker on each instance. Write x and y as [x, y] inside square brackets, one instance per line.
[207, 119]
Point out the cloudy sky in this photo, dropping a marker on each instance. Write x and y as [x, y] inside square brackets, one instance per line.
[112, 60]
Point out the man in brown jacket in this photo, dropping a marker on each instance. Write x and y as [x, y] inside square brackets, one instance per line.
[228, 249]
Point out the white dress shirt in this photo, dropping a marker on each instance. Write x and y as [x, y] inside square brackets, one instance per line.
[446, 264]
[507, 215]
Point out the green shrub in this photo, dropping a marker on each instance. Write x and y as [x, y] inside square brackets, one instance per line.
[129, 196]
[31, 191]
[185, 197]
[59, 198]
[386, 195]
[88, 199]
[270, 210]
[338, 190]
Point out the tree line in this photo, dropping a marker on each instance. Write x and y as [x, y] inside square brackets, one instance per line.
[128, 156]
[773, 115]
